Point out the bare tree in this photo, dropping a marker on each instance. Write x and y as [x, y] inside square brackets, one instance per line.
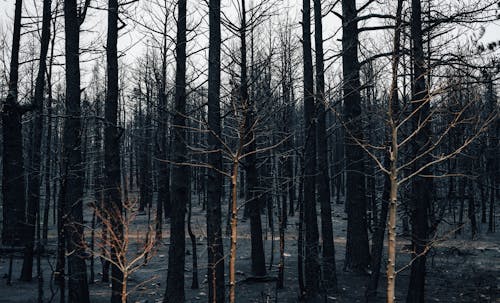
[72, 172]
[312, 266]
[180, 174]
[216, 283]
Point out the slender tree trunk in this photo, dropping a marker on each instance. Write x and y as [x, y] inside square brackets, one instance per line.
[234, 232]
[35, 175]
[390, 195]
[282, 211]
[253, 199]
[421, 187]
[72, 159]
[162, 140]
[329, 269]
[192, 236]
[13, 185]
[180, 173]
[113, 194]
[49, 157]
[378, 239]
[300, 237]
[59, 274]
[312, 266]
[216, 289]
[357, 249]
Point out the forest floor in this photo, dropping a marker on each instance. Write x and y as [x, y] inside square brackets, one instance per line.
[459, 269]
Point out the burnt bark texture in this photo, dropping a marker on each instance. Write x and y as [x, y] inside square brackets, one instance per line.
[180, 173]
[421, 187]
[35, 174]
[216, 285]
[357, 256]
[323, 177]
[312, 266]
[113, 199]
[253, 198]
[13, 183]
[72, 200]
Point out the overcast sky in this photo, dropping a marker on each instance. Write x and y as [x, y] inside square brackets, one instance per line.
[137, 36]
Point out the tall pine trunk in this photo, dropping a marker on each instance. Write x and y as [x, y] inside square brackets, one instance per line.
[180, 173]
[421, 186]
[312, 266]
[216, 285]
[357, 249]
[329, 270]
[35, 175]
[72, 160]
[253, 199]
[113, 201]
[13, 184]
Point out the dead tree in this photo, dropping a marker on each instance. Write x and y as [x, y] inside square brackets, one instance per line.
[72, 169]
[180, 173]
[216, 283]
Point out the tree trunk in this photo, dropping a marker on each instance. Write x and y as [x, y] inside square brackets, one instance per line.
[163, 185]
[216, 285]
[72, 159]
[253, 198]
[329, 270]
[357, 249]
[421, 187]
[35, 175]
[180, 173]
[13, 185]
[192, 236]
[113, 201]
[50, 156]
[312, 266]
[234, 232]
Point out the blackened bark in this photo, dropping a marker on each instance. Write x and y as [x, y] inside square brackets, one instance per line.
[13, 164]
[147, 188]
[253, 199]
[328, 261]
[216, 285]
[60, 272]
[378, 239]
[312, 266]
[421, 187]
[48, 147]
[357, 249]
[113, 202]
[163, 185]
[34, 178]
[72, 159]
[180, 173]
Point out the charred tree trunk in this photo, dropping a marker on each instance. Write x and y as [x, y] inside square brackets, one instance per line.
[13, 185]
[113, 199]
[253, 199]
[180, 173]
[50, 156]
[329, 270]
[216, 285]
[357, 249]
[421, 186]
[72, 159]
[312, 266]
[163, 182]
[35, 171]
